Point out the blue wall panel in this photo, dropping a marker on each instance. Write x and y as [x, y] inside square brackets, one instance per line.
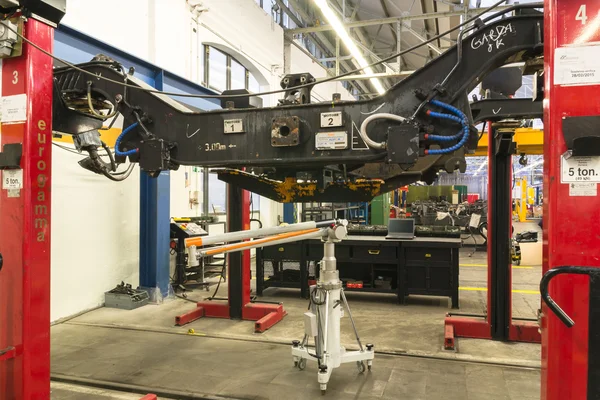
[76, 47]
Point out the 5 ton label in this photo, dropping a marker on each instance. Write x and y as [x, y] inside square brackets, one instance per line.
[12, 179]
[580, 169]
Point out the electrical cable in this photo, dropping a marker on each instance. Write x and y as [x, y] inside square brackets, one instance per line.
[186, 299]
[67, 149]
[330, 79]
[113, 112]
[113, 165]
[220, 279]
[120, 176]
[363, 129]
[482, 131]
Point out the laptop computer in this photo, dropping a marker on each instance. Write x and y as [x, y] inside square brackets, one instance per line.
[401, 228]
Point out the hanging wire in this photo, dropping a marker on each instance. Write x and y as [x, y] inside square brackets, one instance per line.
[230, 96]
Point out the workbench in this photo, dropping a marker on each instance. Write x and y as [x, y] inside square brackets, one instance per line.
[420, 266]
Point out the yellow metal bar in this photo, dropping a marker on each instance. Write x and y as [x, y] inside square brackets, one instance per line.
[529, 141]
[108, 136]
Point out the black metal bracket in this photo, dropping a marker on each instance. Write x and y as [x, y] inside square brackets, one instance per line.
[594, 274]
[10, 157]
[505, 144]
[499, 109]
[582, 135]
[403, 144]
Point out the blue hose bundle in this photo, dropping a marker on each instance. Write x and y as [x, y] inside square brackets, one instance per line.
[121, 136]
[458, 117]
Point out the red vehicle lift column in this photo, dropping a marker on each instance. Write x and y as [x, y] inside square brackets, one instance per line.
[571, 355]
[238, 305]
[25, 160]
[498, 322]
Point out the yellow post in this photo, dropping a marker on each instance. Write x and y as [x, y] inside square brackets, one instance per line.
[523, 201]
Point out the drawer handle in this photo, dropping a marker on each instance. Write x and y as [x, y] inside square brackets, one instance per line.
[374, 252]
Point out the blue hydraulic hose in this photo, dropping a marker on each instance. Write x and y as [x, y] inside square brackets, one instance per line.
[459, 117]
[121, 136]
[448, 107]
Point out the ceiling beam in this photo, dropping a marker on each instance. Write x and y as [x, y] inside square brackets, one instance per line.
[391, 20]
[364, 42]
[423, 39]
[382, 75]
[326, 42]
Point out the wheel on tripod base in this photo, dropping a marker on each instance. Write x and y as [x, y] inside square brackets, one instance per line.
[361, 367]
[302, 364]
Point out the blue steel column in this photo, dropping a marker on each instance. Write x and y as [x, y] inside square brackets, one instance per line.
[155, 210]
[289, 213]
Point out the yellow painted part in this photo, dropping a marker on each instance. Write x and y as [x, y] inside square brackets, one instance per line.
[485, 266]
[530, 195]
[108, 136]
[529, 141]
[482, 289]
[290, 190]
[522, 205]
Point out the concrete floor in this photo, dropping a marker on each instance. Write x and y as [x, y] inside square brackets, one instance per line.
[226, 358]
[246, 370]
[68, 391]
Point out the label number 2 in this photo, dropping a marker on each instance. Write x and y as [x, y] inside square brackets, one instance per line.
[581, 15]
[15, 77]
[329, 121]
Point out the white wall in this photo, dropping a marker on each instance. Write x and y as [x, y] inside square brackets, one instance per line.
[84, 266]
[95, 235]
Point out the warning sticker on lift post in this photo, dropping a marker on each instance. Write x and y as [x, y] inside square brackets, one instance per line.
[579, 169]
[583, 189]
[579, 65]
[12, 179]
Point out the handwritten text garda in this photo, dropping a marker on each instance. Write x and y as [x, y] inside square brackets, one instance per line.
[493, 38]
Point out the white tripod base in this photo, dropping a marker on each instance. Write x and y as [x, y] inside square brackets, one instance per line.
[322, 322]
[301, 354]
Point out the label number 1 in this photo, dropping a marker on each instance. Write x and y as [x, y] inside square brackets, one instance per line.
[581, 15]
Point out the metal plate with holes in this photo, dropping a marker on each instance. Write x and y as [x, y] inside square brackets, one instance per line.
[285, 131]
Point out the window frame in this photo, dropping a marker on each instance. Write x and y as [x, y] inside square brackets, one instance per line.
[228, 63]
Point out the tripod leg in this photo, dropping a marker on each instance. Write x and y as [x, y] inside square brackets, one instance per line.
[351, 319]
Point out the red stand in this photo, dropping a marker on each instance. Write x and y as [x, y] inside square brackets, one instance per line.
[25, 223]
[571, 233]
[498, 323]
[238, 305]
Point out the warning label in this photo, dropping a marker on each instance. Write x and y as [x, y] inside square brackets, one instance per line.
[579, 169]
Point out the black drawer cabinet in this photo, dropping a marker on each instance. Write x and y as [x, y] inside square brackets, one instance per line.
[423, 266]
[288, 251]
[430, 271]
[280, 257]
[314, 251]
[375, 253]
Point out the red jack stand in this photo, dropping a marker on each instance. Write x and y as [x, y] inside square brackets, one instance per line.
[498, 324]
[239, 305]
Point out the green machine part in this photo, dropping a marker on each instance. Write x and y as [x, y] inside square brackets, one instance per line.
[463, 190]
[380, 209]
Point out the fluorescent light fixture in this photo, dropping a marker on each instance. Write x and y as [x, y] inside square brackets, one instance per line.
[481, 167]
[342, 33]
[535, 164]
